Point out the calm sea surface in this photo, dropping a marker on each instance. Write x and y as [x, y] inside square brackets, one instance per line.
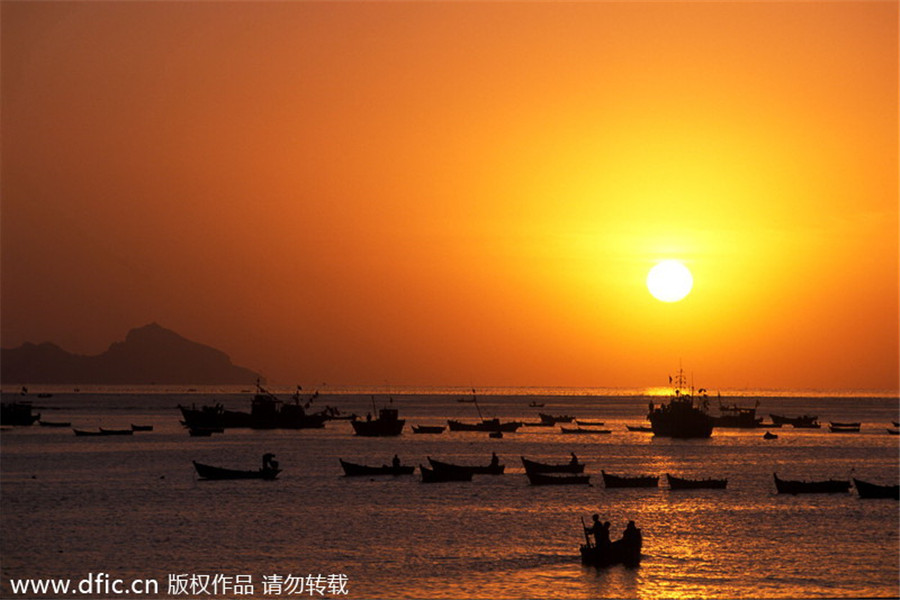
[132, 506]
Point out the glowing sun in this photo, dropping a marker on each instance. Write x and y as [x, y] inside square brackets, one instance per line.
[669, 281]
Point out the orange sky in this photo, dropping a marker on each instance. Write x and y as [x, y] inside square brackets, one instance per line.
[459, 193]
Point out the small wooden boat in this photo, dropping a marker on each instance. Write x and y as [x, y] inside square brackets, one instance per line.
[616, 481]
[537, 467]
[435, 476]
[54, 423]
[485, 425]
[625, 551]
[269, 471]
[677, 483]
[85, 433]
[831, 486]
[141, 427]
[116, 431]
[894, 431]
[545, 479]
[874, 490]
[584, 430]
[208, 472]
[355, 470]
[839, 424]
[769, 436]
[589, 423]
[641, 428]
[494, 468]
[843, 428]
[428, 428]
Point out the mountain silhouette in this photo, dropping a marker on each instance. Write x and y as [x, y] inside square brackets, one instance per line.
[149, 354]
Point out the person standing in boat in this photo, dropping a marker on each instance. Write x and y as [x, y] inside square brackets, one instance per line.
[600, 532]
[396, 462]
[494, 459]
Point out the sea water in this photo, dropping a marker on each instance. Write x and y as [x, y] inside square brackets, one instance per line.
[132, 508]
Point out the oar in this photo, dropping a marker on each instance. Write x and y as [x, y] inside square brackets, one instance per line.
[584, 528]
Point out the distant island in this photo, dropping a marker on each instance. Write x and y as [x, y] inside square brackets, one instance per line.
[149, 355]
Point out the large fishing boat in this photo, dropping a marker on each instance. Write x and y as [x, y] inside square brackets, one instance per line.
[266, 412]
[388, 423]
[684, 416]
[737, 416]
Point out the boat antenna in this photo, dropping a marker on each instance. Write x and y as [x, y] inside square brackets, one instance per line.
[475, 400]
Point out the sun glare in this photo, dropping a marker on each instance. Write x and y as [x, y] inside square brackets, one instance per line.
[669, 281]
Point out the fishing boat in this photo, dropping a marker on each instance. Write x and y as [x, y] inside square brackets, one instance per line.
[387, 424]
[554, 419]
[587, 430]
[677, 483]
[617, 481]
[428, 428]
[141, 427]
[868, 490]
[769, 436]
[266, 412]
[116, 431]
[848, 425]
[581, 423]
[486, 425]
[640, 428]
[355, 470]
[835, 428]
[803, 422]
[435, 476]
[54, 423]
[625, 551]
[18, 413]
[684, 416]
[545, 479]
[573, 466]
[269, 471]
[893, 431]
[735, 416]
[494, 468]
[831, 486]
[86, 433]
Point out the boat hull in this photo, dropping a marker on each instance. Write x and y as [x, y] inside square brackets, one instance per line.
[445, 467]
[536, 467]
[378, 427]
[488, 426]
[616, 481]
[211, 473]
[868, 490]
[831, 486]
[624, 552]
[355, 470]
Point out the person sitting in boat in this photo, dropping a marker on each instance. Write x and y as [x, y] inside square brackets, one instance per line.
[396, 462]
[631, 533]
[600, 531]
[269, 462]
[494, 460]
[574, 460]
